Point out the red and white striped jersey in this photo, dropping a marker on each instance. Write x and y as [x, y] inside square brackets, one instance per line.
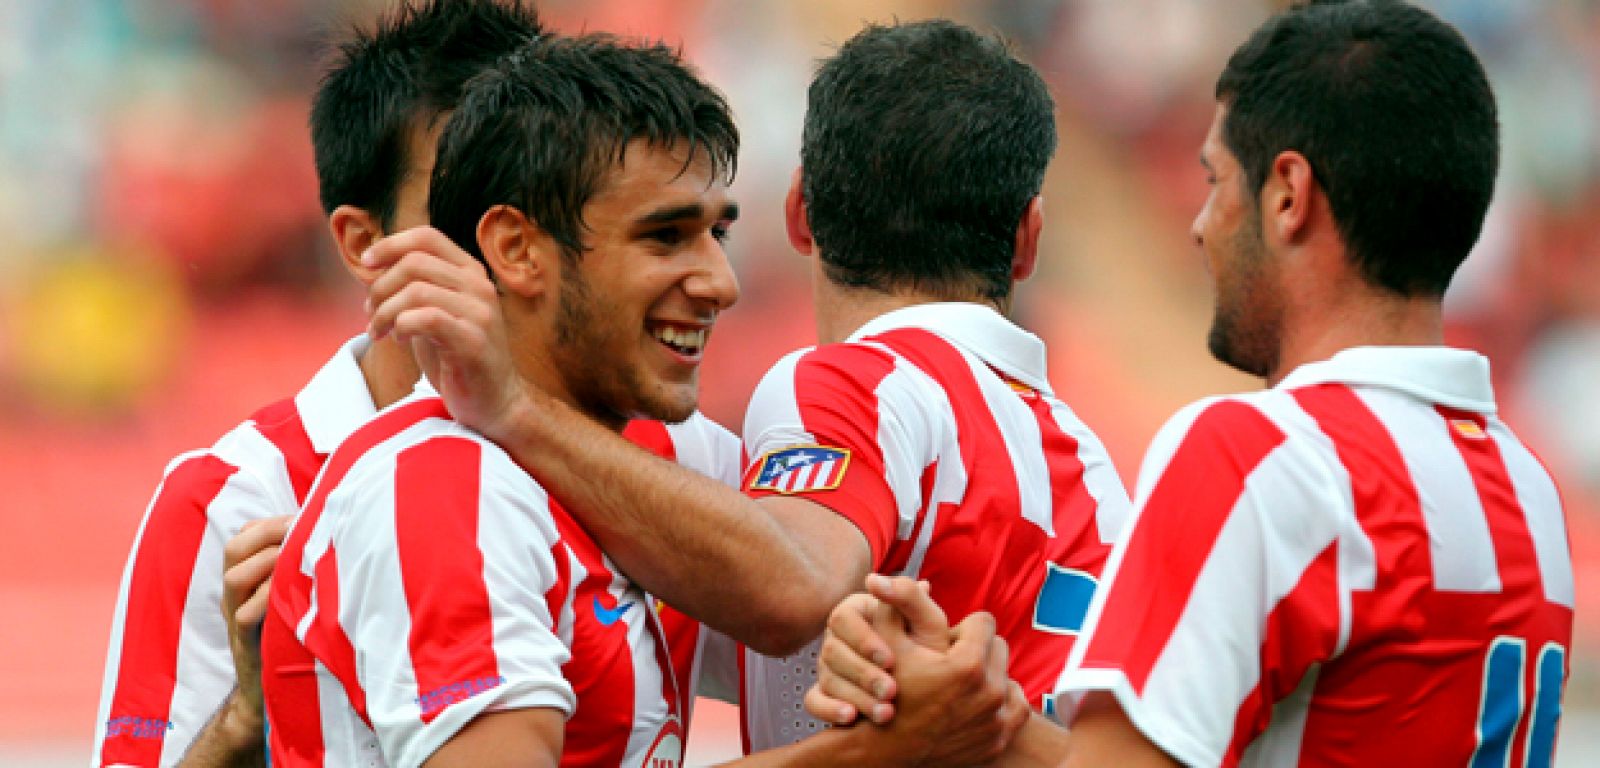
[168, 665]
[429, 579]
[934, 430]
[1360, 564]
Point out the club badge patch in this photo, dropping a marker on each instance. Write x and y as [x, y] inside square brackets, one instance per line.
[801, 468]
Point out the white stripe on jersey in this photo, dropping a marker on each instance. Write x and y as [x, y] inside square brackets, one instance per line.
[1535, 490]
[1462, 552]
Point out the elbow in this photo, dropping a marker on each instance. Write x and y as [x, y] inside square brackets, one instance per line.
[785, 624]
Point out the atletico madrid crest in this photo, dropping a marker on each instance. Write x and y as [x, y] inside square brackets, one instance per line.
[801, 468]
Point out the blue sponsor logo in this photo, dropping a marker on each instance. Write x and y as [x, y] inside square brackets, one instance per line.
[1063, 600]
[609, 617]
[439, 698]
[138, 727]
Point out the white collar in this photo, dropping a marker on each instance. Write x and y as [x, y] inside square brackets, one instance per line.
[336, 400]
[1453, 377]
[977, 328]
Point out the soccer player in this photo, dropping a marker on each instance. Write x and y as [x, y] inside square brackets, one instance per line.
[170, 689]
[1362, 563]
[923, 437]
[434, 603]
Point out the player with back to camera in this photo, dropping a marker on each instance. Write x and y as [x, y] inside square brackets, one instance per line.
[171, 691]
[1361, 564]
[922, 437]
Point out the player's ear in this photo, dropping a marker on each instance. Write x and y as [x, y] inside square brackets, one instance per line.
[794, 217]
[520, 254]
[1286, 196]
[1025, 254]
[354, 231]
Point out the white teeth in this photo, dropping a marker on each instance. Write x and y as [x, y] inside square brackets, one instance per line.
[688, 341]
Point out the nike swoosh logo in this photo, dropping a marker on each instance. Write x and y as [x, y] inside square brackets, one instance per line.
[607, 618]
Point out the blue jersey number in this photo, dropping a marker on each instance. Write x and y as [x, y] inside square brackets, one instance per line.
[1502, 707]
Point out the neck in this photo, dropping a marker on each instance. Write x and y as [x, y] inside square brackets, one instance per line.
[1361, 318]
[842, 310]
[390, 371]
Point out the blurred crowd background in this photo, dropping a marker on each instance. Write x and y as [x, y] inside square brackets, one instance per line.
[165, 268]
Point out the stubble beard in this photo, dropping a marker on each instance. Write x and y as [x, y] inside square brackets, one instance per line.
[608, 388]
[1247, 324]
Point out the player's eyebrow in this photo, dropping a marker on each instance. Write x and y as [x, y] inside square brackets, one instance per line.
[687, 212]
[673, 213]
[1204, 163]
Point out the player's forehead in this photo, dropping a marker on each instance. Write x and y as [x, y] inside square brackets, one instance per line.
[649, 177]
[1214, 152]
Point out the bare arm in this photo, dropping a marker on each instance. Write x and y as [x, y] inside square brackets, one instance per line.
[666, 526]
[519, 738]
[234, 735]
[1102, 734]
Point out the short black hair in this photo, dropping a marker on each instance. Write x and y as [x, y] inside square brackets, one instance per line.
[385, 83]
[923, 144]
[540, 131]
[1394, 113]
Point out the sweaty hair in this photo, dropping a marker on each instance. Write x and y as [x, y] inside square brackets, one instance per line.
[923, 144]
[1393, 112]
[396, 78]
[541, 130]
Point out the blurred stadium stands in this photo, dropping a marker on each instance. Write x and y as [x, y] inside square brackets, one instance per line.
[164, 267]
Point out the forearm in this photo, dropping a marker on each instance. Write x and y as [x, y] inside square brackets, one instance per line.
[854, 746]
[229, 739]
[1040, 744]
[698, 544]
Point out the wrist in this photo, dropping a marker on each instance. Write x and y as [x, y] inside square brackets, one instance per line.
[243, 724]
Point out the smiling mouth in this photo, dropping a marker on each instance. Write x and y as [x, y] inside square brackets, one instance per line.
[689, 342]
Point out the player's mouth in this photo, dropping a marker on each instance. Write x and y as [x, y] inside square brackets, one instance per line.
[684, 340]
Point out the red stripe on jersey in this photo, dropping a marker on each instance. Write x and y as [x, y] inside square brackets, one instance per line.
[157, 592]
[1386, 500]
[1081, 548]
[289, 693]
[441, 568]
[281, 424]
[835, 390]
[682, 633]
[1508, 525]
[327, 639]
[900, 557]
[1301, 630]
[1174, 535]
[651, 436]
[601, 668]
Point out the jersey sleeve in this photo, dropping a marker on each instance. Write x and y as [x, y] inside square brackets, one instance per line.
[450, 576]
[1223, 592]
[837, 426]
[168, 664]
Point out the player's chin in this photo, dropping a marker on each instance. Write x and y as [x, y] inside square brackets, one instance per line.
[673, 401]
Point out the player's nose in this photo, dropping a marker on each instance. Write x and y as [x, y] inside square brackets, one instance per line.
[712, 280]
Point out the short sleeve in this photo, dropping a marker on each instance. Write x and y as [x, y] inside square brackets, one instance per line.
[447, 571]
[827, 425]
[1223, 592]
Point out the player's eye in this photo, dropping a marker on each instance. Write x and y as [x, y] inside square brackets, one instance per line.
[665, 235]
[722, 230]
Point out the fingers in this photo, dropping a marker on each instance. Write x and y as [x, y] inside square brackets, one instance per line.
[851, 623]
[244, 585]
[255, 536]
[828, 709]
[473, 303]
[388, 250]
[250, 615]
[924, 618]
[975, 643]
[845, 676]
